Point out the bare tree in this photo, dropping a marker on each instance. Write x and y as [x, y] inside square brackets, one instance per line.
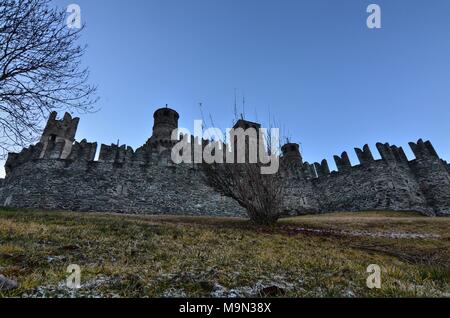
[40, 70]
[260, 194]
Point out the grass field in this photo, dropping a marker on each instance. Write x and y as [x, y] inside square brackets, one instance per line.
[152, 256]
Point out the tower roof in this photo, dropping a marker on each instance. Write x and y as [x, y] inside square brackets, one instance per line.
[242, 123]
[164, 110]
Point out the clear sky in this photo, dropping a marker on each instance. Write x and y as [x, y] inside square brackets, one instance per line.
[331, 82]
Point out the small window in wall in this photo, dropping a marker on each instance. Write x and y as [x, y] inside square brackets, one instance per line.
[52, 138]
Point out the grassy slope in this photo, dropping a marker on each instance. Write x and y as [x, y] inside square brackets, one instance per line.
[175, 256]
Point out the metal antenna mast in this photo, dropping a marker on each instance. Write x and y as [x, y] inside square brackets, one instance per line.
[243, 106]
[235, 106]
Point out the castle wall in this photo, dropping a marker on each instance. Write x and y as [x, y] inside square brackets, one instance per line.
[391, 183]
[433, 176]
[378, 186]
[300, 195]
[129, 187]
[50, 175]
[145, 181]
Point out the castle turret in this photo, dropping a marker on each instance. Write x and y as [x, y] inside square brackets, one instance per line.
[291, 153]
[245, 141]
[165, 122]
[58, 136]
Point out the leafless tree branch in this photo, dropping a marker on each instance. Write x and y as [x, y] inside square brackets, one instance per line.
[40, 70]
[260, 194]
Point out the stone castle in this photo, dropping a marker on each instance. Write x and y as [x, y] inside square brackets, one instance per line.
[59, 173]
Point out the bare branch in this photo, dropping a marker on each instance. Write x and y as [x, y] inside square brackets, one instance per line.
[40, 70]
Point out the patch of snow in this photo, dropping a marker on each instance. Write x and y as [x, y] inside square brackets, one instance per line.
[87, 290]
[393, 235]
[174, 293]
[257, 290]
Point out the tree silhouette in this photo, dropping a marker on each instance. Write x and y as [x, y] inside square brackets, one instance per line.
[40, 70]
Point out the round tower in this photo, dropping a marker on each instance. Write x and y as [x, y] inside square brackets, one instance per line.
[291, 152]
[165, 121]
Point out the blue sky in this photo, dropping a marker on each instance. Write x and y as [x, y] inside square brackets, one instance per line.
[331, 82]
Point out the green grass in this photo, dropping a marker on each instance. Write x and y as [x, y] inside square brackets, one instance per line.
[153, 256]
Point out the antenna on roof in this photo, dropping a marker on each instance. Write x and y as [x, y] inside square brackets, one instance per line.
[235, 106]
[200, 106]
[243, 105]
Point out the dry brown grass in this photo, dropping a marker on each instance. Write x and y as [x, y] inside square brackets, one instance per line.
[154, 256]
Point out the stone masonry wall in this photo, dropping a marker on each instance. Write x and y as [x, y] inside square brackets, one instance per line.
[131, 187]
[391, 183]
[378, 186]
[146, 181]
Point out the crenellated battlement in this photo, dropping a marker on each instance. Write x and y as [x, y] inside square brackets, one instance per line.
[322, 168]
[83, 151]
[342, 162]
[365, 156]
[390, 154]
[115, 153]
[423, 150]
[27, 154]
